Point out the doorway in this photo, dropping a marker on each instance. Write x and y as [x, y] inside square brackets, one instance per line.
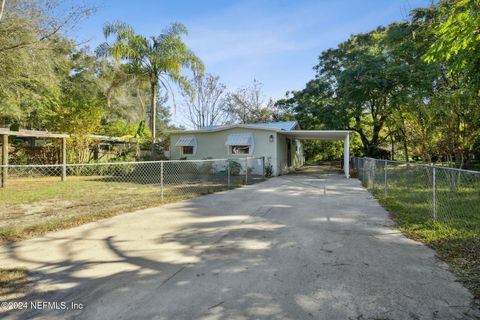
[289, 153]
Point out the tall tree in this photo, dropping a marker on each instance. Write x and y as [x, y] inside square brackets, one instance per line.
[204, 104]
[78, 107]
[20, 19]
[158, 59]
[33, 55]
[360, 75]
[126, 94]
[457, 37]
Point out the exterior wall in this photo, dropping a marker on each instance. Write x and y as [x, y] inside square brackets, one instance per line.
[281, 165]
[212, 145]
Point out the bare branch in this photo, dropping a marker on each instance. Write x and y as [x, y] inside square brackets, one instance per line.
[204, 104]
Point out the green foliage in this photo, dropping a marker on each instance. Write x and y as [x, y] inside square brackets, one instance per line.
[454, 238]
[457, 41]
[119, 128]
[234, 167]
[46, 83]
[268, 170]
[316, 151]
[33, 57]
[376, 85]
[156, 60]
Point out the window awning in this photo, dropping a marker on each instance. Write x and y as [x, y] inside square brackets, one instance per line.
[239, 139]
[186, 142]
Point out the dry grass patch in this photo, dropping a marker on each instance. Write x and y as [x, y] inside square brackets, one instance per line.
[13, 282]
[30, 208]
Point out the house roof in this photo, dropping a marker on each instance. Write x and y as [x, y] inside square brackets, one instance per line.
[317, 134]
[288, 128]
[271, 126]
[279, 125]
[32, 133]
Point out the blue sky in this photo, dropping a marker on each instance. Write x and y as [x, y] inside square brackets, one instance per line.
[277, 41]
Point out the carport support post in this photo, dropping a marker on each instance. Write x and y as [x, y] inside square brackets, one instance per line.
[64, 159]
[346, 156]
[4, 159]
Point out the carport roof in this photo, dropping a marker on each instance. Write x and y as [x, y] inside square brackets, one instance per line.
[317, 134]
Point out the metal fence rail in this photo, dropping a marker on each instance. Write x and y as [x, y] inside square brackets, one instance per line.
[440, 194]
[49, 191]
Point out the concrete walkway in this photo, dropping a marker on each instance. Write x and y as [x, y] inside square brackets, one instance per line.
[303, 246]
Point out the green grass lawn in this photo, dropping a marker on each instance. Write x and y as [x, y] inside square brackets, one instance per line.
[30, 207]
[455, 234]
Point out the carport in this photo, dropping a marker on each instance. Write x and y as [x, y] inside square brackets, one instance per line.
[325, 135]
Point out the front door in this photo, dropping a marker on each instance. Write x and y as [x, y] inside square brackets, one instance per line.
[289, 153]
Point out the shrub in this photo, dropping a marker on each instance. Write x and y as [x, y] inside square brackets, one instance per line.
[235, 167]
[268, 170]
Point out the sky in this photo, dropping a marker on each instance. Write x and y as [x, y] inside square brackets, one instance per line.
[276, 42]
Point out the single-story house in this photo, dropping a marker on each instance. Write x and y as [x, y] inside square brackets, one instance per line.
[280, 143]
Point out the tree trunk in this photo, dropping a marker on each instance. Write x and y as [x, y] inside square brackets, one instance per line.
[153, 108]
[405, 149]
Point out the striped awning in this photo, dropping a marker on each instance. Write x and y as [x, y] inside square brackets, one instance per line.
[186, 142]
[239, 139]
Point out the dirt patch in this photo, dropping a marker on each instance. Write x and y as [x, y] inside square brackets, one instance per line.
[14, 283]
[31, 213]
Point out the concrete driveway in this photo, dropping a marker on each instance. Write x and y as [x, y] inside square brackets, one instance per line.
[294, 247]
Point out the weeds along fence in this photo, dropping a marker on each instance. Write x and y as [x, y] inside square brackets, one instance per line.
[425, 193]
[50, 190]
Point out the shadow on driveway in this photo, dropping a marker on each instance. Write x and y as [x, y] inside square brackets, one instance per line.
[300, 246]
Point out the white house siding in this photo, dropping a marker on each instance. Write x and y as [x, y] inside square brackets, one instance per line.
[281, 165]
[212, 145]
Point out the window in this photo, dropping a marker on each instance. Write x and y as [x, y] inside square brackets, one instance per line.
[240, 144]
[187, 145]
[187, 150]
[240, 149]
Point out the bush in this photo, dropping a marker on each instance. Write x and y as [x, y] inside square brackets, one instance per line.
[268, 170]
[235, 167]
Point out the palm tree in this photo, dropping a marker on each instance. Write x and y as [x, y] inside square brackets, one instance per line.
[158, 60]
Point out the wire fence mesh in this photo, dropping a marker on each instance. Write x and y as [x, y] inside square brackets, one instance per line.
[33, 193]
[427, 193]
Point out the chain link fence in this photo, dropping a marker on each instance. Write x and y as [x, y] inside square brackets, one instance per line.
[31, 193]
[431, 193]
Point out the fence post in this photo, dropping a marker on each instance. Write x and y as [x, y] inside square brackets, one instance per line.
[385, 178]
[363, 170]
[4, 160]
[161, 180]
[374, 171]
[246, 170]
[434, 195]
[64, 159]
[228, 173]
